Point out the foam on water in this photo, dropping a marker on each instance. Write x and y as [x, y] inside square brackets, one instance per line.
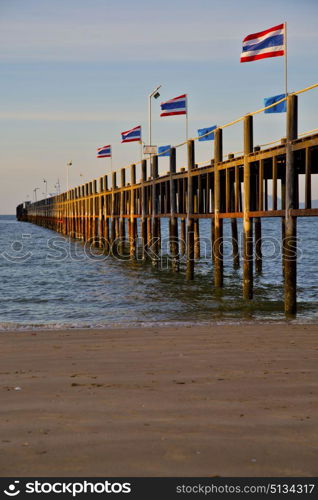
[48, 281]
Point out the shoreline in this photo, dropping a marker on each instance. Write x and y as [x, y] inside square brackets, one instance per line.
[212, 400]
[160, 324]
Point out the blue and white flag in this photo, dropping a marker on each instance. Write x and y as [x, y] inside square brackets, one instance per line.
[175, 106]
[164, 150]
[104, 152]
[279, 108]
[204, 134]
[268, 43]
[132, 135]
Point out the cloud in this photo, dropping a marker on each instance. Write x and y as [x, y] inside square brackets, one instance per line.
[117, 43]
[65, 116]
[102, 31]
[124, 42]
[116, 33]
[73, 116]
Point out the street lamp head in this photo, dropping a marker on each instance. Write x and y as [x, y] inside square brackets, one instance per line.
[69, 163]
[155, 92]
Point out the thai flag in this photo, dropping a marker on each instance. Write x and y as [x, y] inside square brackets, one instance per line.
[268, 43]
[104, 152]
[131, 135]
[175, 106]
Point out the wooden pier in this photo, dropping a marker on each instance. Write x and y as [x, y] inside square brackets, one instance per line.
[105, 213]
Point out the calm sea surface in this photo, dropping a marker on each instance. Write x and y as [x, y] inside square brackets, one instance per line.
[47, 280]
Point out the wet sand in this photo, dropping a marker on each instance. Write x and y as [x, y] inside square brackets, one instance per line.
[178, 401]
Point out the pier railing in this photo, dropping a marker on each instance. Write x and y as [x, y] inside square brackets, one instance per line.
[235, 187]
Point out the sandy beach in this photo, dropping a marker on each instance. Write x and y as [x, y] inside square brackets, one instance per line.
[228, 400]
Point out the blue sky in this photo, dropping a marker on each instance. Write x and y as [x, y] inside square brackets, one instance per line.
[74, 74]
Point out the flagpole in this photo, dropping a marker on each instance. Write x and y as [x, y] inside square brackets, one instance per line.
[285, 58]
[187, 124]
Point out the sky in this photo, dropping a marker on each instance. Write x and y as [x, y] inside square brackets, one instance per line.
[75, 74]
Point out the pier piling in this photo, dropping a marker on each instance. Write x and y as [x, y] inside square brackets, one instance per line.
[155, 241]
[217, 245]
[173, 222]
[113, 235]
[290, 240]
[144, 206]
[190, 210]
[132, 220]
[247, 222]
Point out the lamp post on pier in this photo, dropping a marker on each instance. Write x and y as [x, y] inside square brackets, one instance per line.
[68, 165]
[155, 94]
[34, 191]
[45, 183]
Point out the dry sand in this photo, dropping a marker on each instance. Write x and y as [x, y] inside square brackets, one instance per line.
[178, 401]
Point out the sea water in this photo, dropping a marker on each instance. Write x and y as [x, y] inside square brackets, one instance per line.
[51, 281]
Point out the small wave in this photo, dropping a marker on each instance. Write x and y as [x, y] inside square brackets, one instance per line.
[5, 327]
